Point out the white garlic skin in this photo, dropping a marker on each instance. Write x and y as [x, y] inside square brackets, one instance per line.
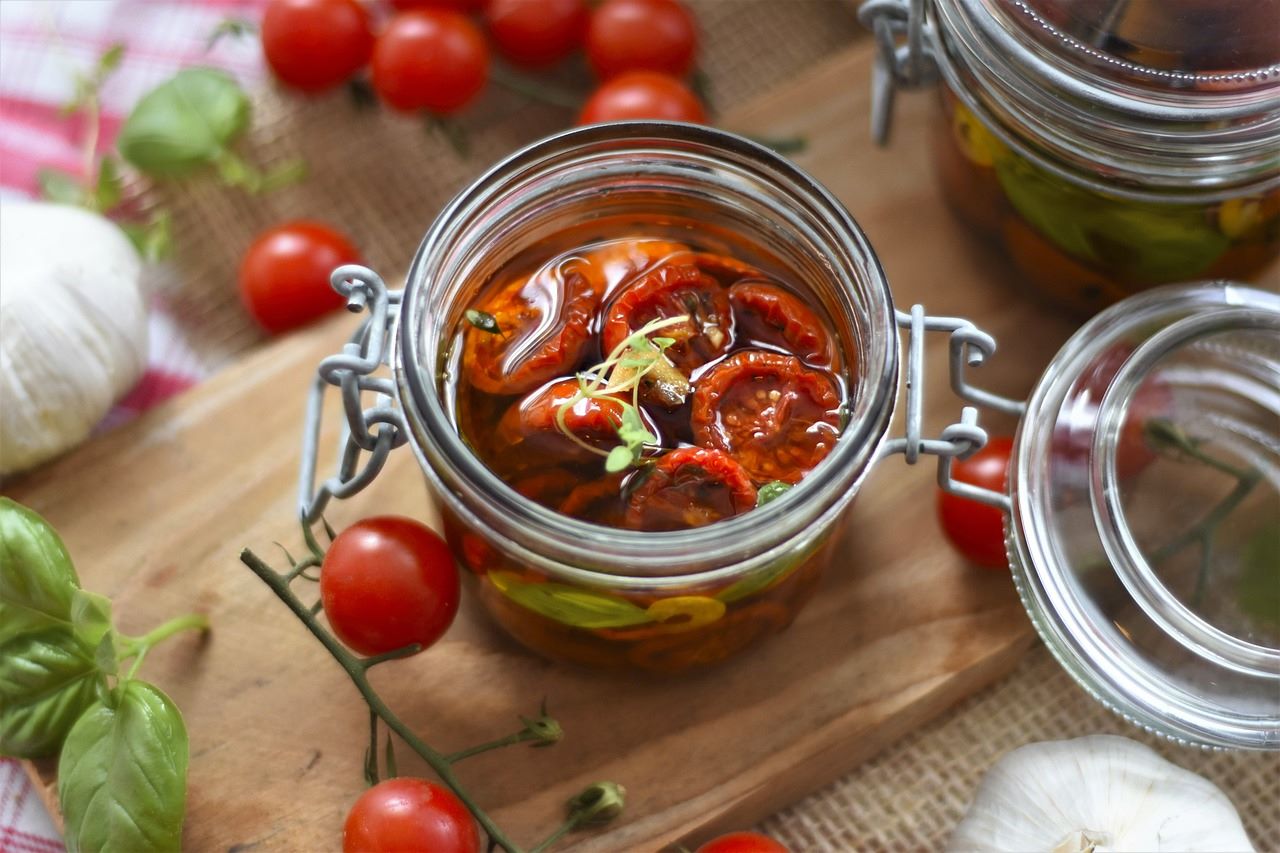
[1097, 793]
[73, 327]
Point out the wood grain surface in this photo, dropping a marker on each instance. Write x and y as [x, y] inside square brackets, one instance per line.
[155, 514]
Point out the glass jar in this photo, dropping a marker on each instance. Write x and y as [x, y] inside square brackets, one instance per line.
[1105, 146]
[620, 598]
[1144, 499]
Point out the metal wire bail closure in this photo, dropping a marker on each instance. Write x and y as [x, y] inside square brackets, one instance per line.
[904, 58]
[970, 347]
[376, 430]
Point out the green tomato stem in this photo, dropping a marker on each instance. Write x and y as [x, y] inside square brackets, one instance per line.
[564, 829]
[510, 740]
[357, 672]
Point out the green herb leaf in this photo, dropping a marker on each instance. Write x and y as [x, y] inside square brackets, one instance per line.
[47, 680]
[110, 187]
[59, 186]
[122, 777]
[570, 605]
[771, 492]
[104, 655]
[662, 343]
[1150, 242]
[483, 321]
[619, 459]
[185, 124]
[154, 239]
[88, 85]
[37, 579]
[90, 616]
[1259, 588]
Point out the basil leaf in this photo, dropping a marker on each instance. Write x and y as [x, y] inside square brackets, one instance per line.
[570, 605]
[184, 124]
[110, 187]
[1150, 242]
[122, 777]
[1259, 587]
[59, 186]
[90, 616]
[771, 492]
[47, 680]
[37, 579]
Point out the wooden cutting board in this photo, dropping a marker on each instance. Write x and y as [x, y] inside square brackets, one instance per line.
[155, 514]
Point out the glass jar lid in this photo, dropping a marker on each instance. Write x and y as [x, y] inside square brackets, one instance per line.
[1164, 100]
[1145, 532]
[1198, 46]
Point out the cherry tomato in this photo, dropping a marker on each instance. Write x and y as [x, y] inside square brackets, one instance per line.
[537, 33]
[672, 290]
[689, 487]
[387, 582]
[455, 5]
[598, 501]
[406, 815]
[314, 45]
[767, 314]
[641, 35]
[530, 429]
[284, 275]
[547, 487]
[724, 268]
[775, 416]
[642, 95]
[430, 59]
[743, 842]
[616, 263]
[977, 529]
[527, 349]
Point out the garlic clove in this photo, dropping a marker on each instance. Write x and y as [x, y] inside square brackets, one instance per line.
[1095, 794]
[73, 327]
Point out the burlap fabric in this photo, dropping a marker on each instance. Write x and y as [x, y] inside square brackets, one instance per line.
[382, 178]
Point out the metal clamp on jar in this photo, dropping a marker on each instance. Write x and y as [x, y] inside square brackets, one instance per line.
[1106, 147]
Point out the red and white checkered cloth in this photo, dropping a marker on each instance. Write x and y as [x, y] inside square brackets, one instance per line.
[43, 44]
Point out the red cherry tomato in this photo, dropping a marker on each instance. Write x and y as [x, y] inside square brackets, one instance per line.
[641, 35]
[525, 351]
[767, 314]
[430, 59]
[387, 582]
[406, 815]
[743, 842]
[725, 268]
[284, 275]
[689, 487]
[642, 95]
[672, 290]
[530, 430]
[771, 413]
[455, 5]
[314, 45]
[537, 33]
[977, 529]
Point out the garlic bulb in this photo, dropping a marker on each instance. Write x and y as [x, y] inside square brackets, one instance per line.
[73, 327]
[1096, 794]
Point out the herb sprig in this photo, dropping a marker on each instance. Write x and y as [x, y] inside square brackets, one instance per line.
[621, 373]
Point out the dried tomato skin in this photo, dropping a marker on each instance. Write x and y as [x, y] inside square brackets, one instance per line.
[774, 415]
[598, 501]
[689, 487]
[519, 310]
[767, 314]
[670, 290]
[529, 429]
[725, 268]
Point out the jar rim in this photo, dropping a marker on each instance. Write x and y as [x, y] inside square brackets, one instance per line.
[1117, 137]
[557, 542]
[1102, 657]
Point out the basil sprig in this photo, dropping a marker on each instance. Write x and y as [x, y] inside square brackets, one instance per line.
[122, 770]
